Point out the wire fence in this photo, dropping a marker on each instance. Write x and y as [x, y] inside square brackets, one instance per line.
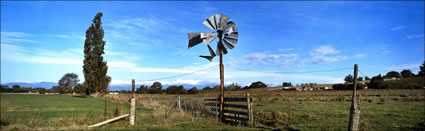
[178, 111]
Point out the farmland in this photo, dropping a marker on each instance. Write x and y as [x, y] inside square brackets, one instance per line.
[380, 109]
[33, 111]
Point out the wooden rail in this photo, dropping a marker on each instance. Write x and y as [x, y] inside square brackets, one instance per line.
[236, 112]
[109, 121]
[229, 114]
[236, 106]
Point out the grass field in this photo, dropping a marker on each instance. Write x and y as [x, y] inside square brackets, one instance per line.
[25, 111]
[320, 110]
[64, 112]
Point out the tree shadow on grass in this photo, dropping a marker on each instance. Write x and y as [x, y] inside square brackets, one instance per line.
[81, 96]
[4, 123]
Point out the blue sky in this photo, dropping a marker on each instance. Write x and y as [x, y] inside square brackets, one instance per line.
[145, 40]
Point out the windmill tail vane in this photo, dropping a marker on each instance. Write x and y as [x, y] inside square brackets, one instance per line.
[223, 29]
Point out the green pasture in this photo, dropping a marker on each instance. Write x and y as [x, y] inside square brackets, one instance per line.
[309, 112]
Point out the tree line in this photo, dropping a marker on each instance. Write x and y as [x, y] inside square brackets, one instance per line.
[157, 88]
[405, 79]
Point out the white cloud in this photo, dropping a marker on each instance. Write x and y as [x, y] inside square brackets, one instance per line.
[134, 68]
[415, 36]
[74, 56]
[15, 34]
[319, 56]
[70, 36]
[402, 67]
[35, 55]
[385, 50]
[16, 37]
[324, 59]
[141, 32]
[398, 28]
[150, 25]
[285, 49]
[323, 50]
[359, 56]
[265, 58]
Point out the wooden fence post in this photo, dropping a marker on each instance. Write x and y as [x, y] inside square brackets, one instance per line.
[191, 104]
[221, 86]
[132, 104]
[179, 106]
[353, 124]
[289, 113]
[250, 117]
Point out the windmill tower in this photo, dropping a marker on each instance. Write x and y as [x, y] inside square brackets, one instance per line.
[226, 32]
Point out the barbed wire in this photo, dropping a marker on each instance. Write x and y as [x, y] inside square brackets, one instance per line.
[205, 73]
[295, 72]
[168, 77]
[362, 74]
[277, 72]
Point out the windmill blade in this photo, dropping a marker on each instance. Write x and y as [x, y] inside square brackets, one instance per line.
[229, 24]
[233, 29]
[209, 39]
[230, 46]
[221, 48]
[230, 39]
[194, 39]
[210, 58]
[206, 35]
[208, 24]
[218, 17]
[211, 50]
[213, 22]
[224, 21]
[232, 34]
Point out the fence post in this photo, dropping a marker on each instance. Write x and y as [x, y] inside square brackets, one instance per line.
[191, 104]
[132, 104]
[355, 107]
[250, 118]
[289, 112]
[178, 102]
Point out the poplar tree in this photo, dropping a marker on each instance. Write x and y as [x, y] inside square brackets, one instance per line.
[95, 67]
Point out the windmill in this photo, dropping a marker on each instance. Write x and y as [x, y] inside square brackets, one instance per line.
[227, 34]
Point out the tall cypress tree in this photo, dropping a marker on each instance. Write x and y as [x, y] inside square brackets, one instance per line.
[95, 67]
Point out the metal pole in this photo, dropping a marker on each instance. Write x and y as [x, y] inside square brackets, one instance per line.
[221, 86]
[355, 109]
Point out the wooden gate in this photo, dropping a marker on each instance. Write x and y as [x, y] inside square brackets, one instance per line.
[236, 111]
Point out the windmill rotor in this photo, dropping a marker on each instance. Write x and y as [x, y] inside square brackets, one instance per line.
[223, 29]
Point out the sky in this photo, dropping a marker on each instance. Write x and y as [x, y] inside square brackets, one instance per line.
[279, 41]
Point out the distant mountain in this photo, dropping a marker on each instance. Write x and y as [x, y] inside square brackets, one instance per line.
[46, 85]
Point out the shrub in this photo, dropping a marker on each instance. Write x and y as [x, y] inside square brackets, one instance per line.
[406, 83]
[193, 91]
[348, 86]
[257, 84]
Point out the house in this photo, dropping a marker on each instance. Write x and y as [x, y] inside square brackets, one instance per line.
[289, 89]
[113, 93]
[300, 89]
[323, 88]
